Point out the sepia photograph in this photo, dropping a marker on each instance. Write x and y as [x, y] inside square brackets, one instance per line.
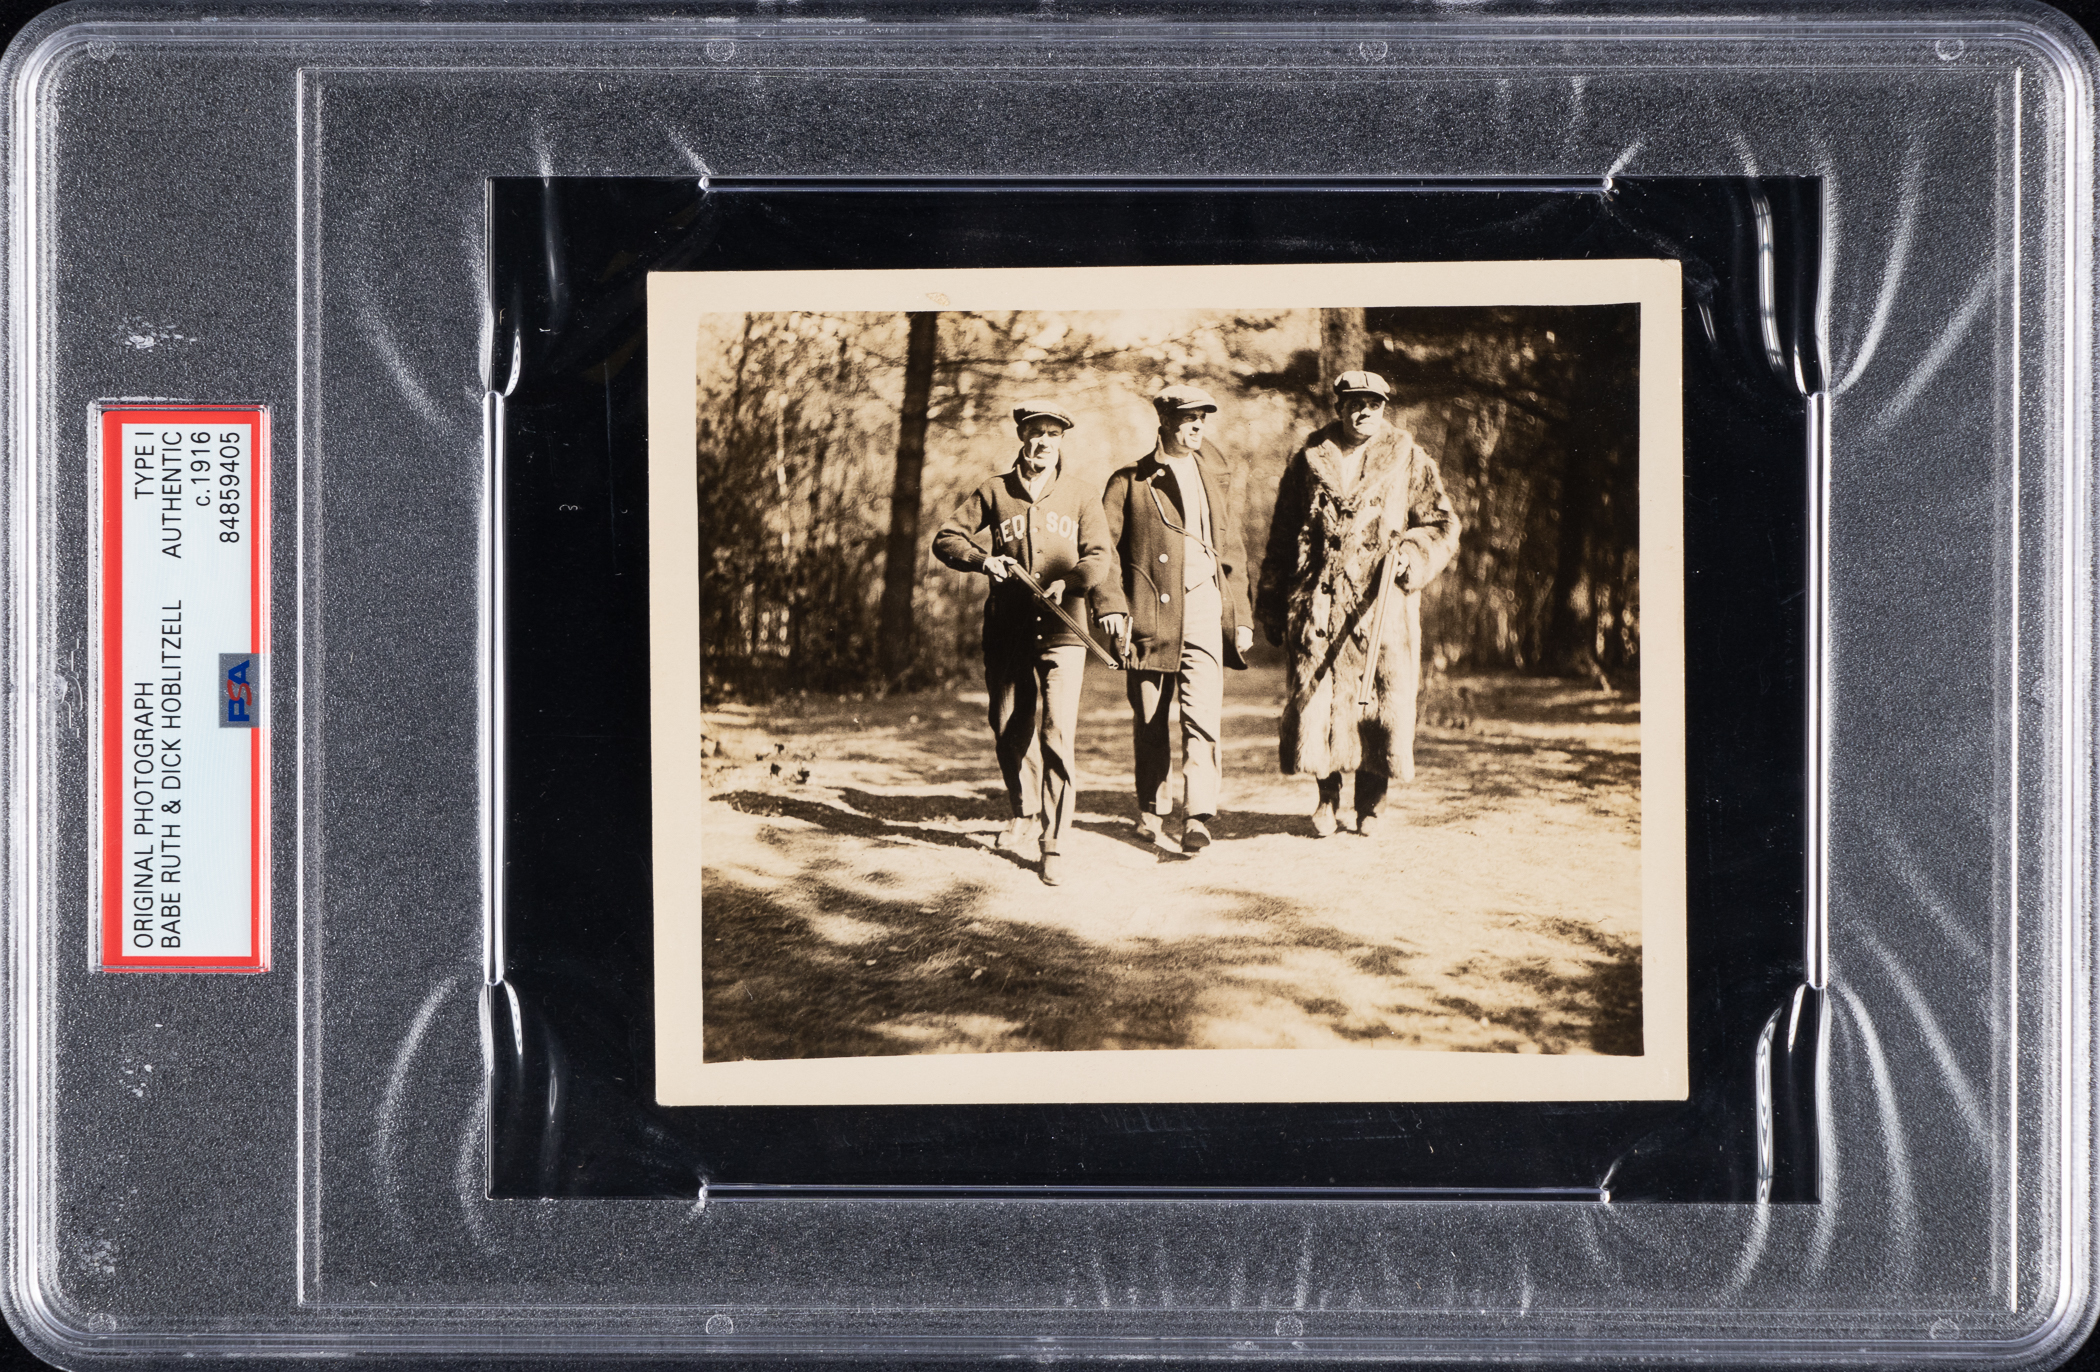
[1168, 684]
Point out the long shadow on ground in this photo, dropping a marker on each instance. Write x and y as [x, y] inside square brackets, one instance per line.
[872, 814]
[848, 822]
[987, 804]
[950, 977]
[781, 981]
[1606, 995]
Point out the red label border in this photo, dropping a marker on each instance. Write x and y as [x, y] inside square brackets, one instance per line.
[109, 945]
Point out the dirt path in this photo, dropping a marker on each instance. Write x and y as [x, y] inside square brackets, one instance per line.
[854, 903]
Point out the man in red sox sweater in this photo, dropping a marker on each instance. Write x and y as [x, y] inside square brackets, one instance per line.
[1051, 527]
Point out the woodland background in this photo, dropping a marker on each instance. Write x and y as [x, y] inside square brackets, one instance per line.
[832, 445]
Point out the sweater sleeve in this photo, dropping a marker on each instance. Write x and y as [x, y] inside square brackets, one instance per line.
[1097, 559]
[954, 545]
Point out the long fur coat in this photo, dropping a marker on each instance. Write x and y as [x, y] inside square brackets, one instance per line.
[1318, 593]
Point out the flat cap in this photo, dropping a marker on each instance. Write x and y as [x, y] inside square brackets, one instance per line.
[1362, 383]
[1040, 409]
[1184, 398]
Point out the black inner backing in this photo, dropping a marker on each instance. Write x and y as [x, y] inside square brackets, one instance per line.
[573, 1112]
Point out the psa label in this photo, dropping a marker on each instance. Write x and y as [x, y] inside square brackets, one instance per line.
[240, 690]
[184, 665]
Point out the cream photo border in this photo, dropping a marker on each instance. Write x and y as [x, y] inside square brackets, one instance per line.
[677, 300]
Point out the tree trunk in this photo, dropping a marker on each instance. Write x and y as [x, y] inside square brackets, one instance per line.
[1569, 644]
[1567, 647]
[1599, 491]
[900, 568]
[1343, 344]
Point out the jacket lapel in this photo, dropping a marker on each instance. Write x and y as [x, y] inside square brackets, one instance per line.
[1157, 474]
[1385, 452]
[1211, 472]
[1325, 459]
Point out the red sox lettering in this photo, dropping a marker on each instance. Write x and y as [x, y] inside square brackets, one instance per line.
[1015, 530]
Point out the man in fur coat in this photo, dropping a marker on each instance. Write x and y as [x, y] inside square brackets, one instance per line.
[1178, 615]
[1048, 527]
[1357, 497]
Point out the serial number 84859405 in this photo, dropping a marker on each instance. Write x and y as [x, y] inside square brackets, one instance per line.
[225, 466]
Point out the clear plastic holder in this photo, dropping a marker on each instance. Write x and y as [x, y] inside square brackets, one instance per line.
[287, 207]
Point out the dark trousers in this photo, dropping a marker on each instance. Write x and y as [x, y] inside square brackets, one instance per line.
[1034, 711]
[1370, 790]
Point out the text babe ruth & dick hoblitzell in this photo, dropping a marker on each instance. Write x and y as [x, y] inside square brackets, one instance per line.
[1362, 524]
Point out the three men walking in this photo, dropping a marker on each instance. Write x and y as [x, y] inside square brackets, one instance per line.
[1362, 524]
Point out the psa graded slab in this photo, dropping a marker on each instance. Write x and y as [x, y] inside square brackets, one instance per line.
[912, 683]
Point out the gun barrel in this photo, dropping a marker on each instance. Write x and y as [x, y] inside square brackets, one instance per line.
[1022, 574]
[1074, 625]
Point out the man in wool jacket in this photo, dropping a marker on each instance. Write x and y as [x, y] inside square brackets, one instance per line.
[1033, 520]
[1178, 613]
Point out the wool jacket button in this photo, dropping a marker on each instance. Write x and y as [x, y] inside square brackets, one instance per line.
[1165, 599]
[1162, 557]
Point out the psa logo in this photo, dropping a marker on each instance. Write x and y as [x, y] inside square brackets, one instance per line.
[240, 691]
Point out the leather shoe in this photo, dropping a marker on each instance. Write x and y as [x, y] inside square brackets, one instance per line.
[1195, 835]
[1052, 870]
[1018, 831]
[1323, 821]
[1368, 825]
[1148, 827]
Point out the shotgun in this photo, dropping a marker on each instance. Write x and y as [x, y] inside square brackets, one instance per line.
[1367, 684]
[1021, 573]
[1035, 589]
